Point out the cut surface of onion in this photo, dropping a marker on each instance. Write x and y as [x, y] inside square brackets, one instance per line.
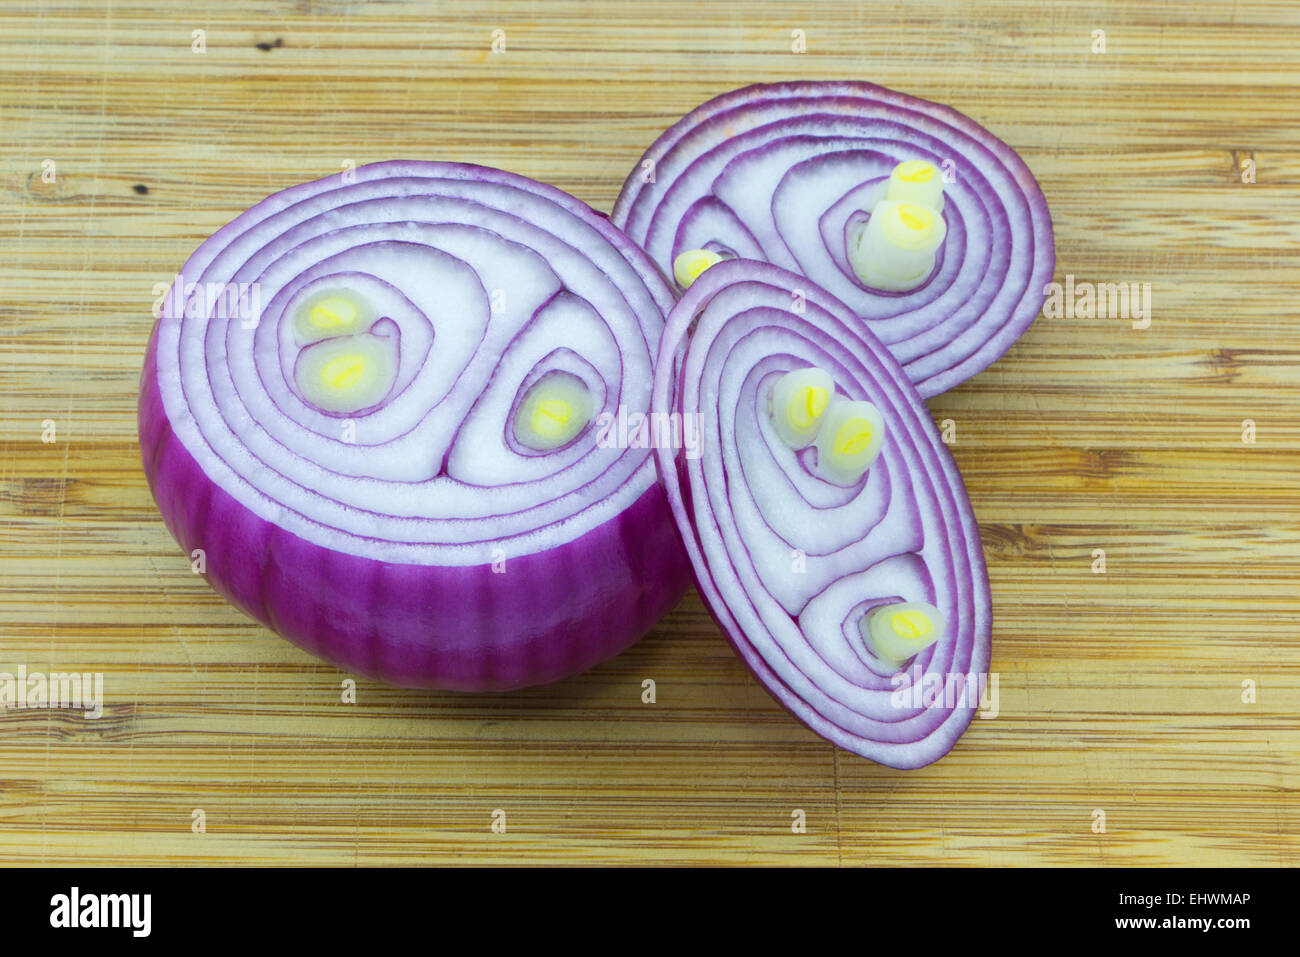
[371, 401]
[950, 273]
[861, 603]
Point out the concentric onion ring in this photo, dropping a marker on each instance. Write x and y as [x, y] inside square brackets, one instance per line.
[790, 564]
[415, 539]
[782, 173]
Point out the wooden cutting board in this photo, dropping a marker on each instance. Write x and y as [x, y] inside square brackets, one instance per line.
[1160, 696]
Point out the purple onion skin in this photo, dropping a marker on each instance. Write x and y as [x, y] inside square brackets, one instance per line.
[553, 615]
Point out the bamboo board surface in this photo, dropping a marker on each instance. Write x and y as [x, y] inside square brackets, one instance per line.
[1120, 692]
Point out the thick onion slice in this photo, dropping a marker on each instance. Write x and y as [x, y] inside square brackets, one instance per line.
[328, 412]
[789, 173]
[791, 564]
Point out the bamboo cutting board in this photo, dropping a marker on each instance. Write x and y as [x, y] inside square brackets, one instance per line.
[1148, 713]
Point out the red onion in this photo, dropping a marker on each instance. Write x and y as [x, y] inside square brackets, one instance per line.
[791, 564]
[791, 173]
[386, 449]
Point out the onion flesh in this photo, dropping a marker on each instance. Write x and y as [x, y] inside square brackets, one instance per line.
[790, 173]
[791, 564]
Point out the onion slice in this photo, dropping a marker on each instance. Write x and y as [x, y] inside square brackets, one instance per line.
[790, 173]
[328, 417]
[794, 566]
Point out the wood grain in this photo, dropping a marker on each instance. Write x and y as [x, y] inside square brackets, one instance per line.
[1119, 692]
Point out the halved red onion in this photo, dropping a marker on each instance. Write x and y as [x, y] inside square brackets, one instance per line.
[791, 564]
[344, 442]
[790, 173]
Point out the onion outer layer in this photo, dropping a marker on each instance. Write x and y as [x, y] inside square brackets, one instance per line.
[462, 624]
